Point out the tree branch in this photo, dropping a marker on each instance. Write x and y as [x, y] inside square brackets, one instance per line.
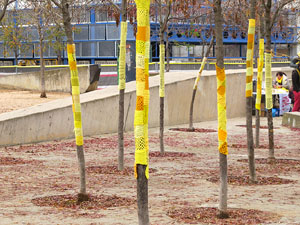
[278, 9]
[114, 5]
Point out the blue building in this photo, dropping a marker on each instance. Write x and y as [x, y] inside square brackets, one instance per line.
[98, 38]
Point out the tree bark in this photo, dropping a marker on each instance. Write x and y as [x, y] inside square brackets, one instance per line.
[268, 27]
[122, 57]
[223, 213]
[142, 196]
[249, 78]
[167, 54]
[82, 196]
[191, 126]
[42, 66]
[162, 80]
[257, 127]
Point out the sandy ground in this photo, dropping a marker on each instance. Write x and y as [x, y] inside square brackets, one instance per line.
[13, 99]
[50, 169]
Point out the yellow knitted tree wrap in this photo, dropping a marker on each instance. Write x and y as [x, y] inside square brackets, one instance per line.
[122, 56]
[199, 73]
[259, 73]
[249, 58]
[75, 94]
[222, 119]
[162, 71]
[142, 85]
[268, 78]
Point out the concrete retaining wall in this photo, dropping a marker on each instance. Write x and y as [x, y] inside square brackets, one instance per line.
[53, 120]
[291, 119]
[55, 80]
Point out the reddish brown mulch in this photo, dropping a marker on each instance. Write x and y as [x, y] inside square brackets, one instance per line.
[261, 127]
[279, 166]
[263, 146]
[94, 202]
[172, 154]
[244, 180]
[276, 162]
[14, 161]
[208, 215]
[114, 170]
[200, 130]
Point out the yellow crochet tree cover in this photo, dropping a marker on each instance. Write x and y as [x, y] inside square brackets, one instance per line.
[222, 119]
[259, 73]
[268, 74]
[122, 58]
[249, 58]
[75, 94]
[142, 85]
[162, 71]
[199, 73]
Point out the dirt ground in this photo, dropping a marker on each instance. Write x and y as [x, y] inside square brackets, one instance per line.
[184, 180]
[15, 99]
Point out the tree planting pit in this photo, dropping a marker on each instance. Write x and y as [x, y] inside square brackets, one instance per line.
[245, 180]
[199, 130]
[209, 215]
[93, 202]
[15, 161]
[127, 171]
[261, 127]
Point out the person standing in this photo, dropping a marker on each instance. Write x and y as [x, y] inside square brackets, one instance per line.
[296, 89]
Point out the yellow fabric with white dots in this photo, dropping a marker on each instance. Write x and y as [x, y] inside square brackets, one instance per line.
[199, 73]
[122, 56]
[142, 86]
[249, 57]
[222, 118]
[75, 94]
[259, 73]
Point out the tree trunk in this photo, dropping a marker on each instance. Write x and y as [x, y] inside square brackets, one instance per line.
[142, 109]
[122, 81]
[249, 90]
[257, 127]
[268, 31]
[42, 66]
[167, 54]
[221, 96]
[191, 126]
[161, 92]
[82, 196]
[142, 196]
[59, 59]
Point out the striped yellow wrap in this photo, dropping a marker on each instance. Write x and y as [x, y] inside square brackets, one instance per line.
[199, 73]
[122, 56]
[142, 85]
[162, 71]
[222, 118]
[249, 58]
[75, 94]
[259, 73]
[268, 75]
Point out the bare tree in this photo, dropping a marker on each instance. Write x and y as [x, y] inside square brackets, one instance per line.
[249, 78]
[64, 6]
[221, 93]
[269, 23]
[191, 126]
[40, 18]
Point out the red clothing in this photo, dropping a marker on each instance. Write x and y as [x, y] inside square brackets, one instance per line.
[296, 107]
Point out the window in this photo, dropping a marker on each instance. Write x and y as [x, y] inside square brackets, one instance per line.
[97, 32]
[107, 49]
[81, 33]
[112, 32]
